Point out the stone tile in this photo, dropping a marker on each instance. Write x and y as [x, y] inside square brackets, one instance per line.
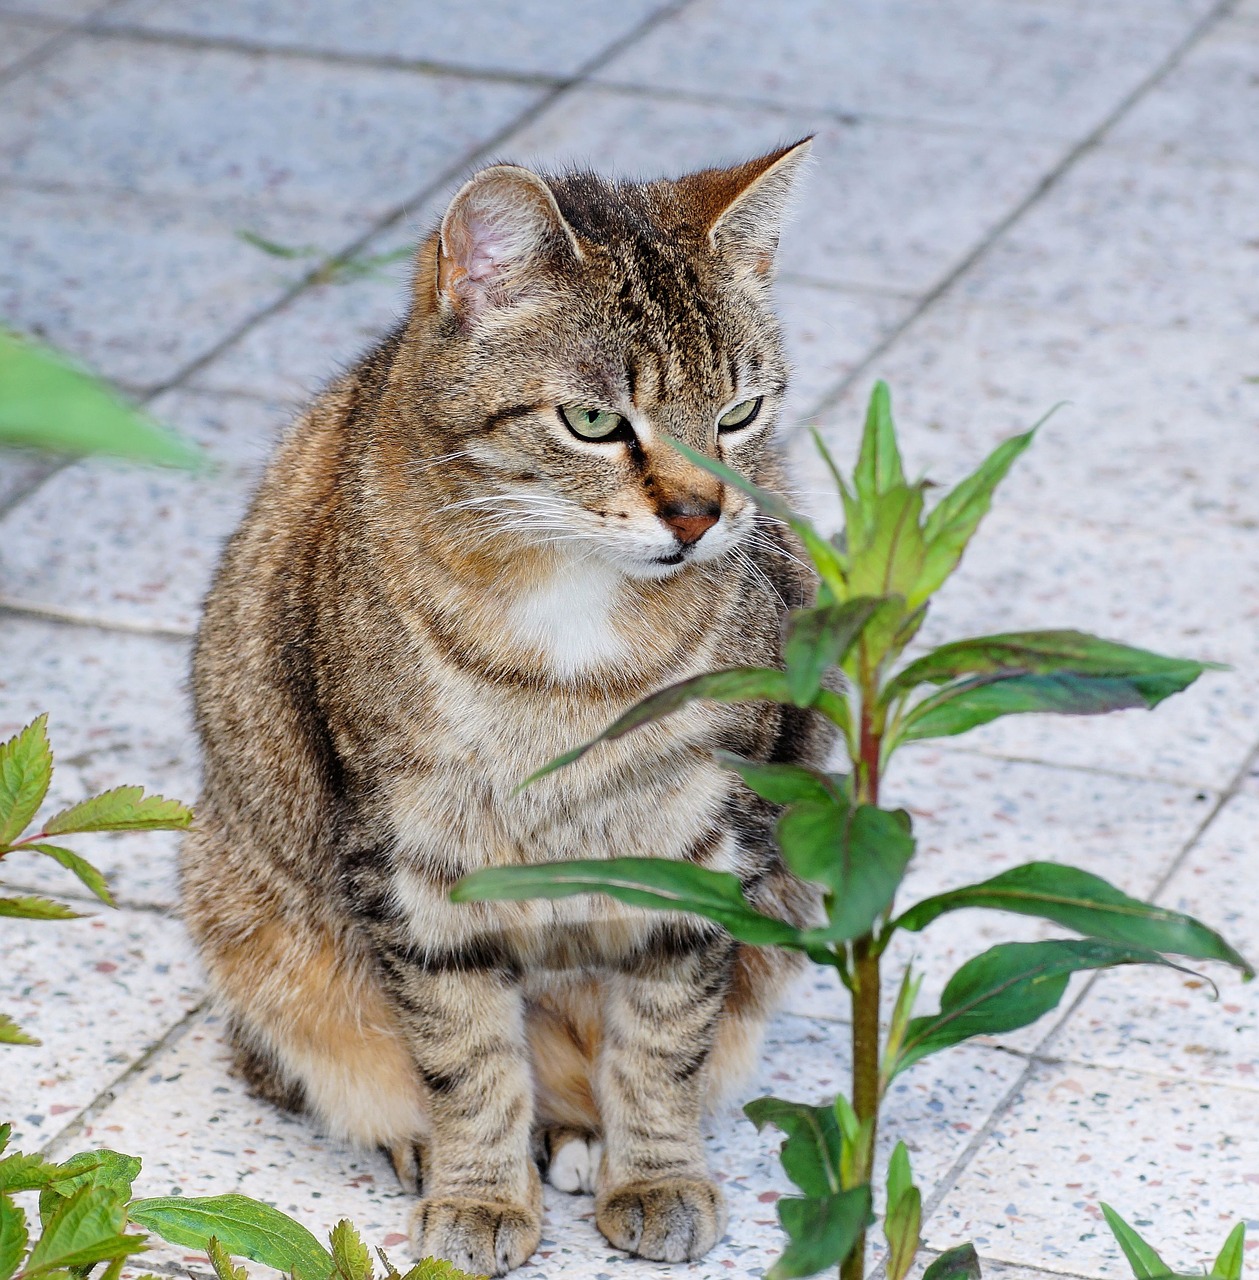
[66, 10]
[1206, 108]
[1036, 68]
[17, 39]
[117, 716]
[1176, 1157]
[21, 470]
[884, 206]
[135, 546]
[547, 37]
[1132, 1019]
[138, 287]
[1165, 245]
[98, 992]
[200, 124]
[199, 1133]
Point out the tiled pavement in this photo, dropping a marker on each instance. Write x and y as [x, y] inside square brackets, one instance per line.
[1015, 202]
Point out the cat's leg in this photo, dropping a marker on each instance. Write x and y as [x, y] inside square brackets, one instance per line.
[655, 1196]
[482, 1205]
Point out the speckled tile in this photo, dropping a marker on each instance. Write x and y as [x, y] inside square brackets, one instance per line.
[1206, 108]
[200, 1133]
[947, 189]
[138, 287]
[1126, 239]
[98, 992]
[21, 470]
[136, 546]
[1177, 1157]
[201, 124]
[1011, 66]
[549, 37]
[1130, 1019]
[65, 10]
[117, 715]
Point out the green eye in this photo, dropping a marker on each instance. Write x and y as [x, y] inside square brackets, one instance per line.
[742, 415]
[591, 424]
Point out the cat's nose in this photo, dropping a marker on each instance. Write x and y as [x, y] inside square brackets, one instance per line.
[689, 521]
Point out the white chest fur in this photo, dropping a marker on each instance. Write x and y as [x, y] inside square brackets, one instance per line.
[569, 618]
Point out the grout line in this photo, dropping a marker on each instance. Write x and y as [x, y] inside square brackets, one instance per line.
[109, 1094]
[79, 896]
[1046, 184]
[68, 618]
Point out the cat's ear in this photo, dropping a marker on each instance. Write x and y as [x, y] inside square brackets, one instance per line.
[742, 208]
[501, 235]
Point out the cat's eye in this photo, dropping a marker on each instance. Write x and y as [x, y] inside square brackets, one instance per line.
[592, 424]
[742, 415]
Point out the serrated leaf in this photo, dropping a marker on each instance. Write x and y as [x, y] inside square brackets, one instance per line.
[6, 1132]
[436, 1269]
[782, 783]
[20, 1172]
[28, 908]
[87, 873]
[25, 763]
[819, 639]
[350, 1253]
[1228, 1264]
[1086, 903]
[86, 1228]
[245, 1228]
[100, 1168]
[1010, 986]
[734, 684]
[958, 1263]
[11, 1033]
[813, 1147]
[1144, 1261]
[121, 809]
[13, 1237]
[221, 1261]
[51, 404]
[952, 522]
[642, 882]
[823, 1231]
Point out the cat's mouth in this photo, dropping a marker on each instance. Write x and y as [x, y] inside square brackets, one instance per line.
[674, 557]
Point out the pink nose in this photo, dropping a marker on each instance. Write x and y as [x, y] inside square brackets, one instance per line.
[689, 521]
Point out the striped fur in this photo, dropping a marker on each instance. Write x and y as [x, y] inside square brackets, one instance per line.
[438, 588]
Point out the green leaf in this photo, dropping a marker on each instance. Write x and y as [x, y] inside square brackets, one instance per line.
[122, 809]
[102, 1168]
[350, 1253]
[900, 1177]
[1145, 1263]
[1021, 653]
[826, 559]
[20, 1172]
[13, 1237]
[87, 873]
[954, 519]
[51, 404]
[276, 250]
[436, 1269]
[28, 908]
[221, 1261]
[885, 550]
[734, 684]
[1010, 986]
[823, 1231]
[245, 1228]
[859, 853]
[1086, 903]
[812, 1150]
[902, 1225]
[6, 1132]
[1228, 1266]
[25, 762]
[879, 466]
[85, 1228]
[11, 1033]
[782, 783]
[819, 639]
[958, 1263]
[641, 882]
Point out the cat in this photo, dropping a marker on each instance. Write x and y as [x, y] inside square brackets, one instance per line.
[473, 551]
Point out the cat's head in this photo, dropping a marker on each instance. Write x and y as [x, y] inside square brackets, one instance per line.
[566, 327]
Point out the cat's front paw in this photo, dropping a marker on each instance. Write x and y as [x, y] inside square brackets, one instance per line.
[672, 1220]
[481, 1236]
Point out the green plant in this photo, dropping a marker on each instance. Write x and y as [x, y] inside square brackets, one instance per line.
[1147, 1265]
[85, 1207]
[876, 584]
[25, 773]
[338, 269]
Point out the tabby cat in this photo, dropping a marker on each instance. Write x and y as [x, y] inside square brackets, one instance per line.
[473, 551]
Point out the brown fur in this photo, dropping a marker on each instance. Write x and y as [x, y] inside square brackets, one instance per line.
[439, 587]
